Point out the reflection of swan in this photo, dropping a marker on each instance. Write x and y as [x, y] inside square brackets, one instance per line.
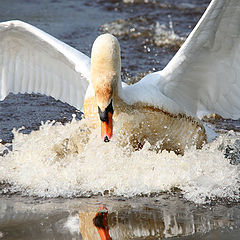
[202, 78]
[131, 219]
[100, 221]
[94, 225]
[126, 224]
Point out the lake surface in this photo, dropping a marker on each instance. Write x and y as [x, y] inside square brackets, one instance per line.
[148, 195]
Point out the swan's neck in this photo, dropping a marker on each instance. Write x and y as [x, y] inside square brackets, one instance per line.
[117, 88]
[105, 69]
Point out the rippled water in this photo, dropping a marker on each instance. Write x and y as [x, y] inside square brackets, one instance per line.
[148, 194]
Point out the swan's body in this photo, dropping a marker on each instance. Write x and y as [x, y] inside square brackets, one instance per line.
[202, 78]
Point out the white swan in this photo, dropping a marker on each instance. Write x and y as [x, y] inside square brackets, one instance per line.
[203, 77]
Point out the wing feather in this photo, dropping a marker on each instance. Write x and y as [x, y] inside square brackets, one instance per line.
[204, 75]
[33, 61]
[205, 72]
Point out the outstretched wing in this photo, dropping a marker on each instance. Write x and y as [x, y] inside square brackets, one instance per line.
[32, 61]
[204, 75]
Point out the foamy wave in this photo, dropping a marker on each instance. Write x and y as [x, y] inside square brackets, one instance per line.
[166, 37]
[155, 33]
[133, 27]
[70, 161]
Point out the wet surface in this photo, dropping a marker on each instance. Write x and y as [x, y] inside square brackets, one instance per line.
[166, 216]
[150, 32]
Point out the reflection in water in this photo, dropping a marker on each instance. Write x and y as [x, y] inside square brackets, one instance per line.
[147, 223]
[100, 221]
[137, 218]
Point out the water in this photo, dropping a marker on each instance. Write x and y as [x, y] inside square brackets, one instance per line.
[52, 184]
[162, 217]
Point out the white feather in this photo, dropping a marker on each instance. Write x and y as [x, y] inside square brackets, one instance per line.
[204, 75]
[33, 61]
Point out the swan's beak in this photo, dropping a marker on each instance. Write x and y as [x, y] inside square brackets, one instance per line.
[107, 128]
[106, 122]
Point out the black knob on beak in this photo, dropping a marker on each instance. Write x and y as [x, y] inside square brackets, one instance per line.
[106, 139]
[104, 114]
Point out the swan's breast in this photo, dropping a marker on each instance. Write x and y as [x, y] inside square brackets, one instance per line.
[164, 131]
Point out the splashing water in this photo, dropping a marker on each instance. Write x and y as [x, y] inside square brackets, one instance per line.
[165, 37]
[69, 160]
[161, 34]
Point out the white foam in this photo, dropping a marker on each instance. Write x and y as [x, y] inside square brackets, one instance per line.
[72, 224]
[34, 168]
[165, 36]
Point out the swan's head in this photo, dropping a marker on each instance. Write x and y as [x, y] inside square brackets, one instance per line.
[105, 73]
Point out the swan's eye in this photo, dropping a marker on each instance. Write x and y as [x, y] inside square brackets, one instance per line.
[104, 114]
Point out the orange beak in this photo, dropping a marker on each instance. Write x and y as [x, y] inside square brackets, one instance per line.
[101, 223]
[107, 128]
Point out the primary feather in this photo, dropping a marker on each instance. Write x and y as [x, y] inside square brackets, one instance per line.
[33, 61]
[204, 75]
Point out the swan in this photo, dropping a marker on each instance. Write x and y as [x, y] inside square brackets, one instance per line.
[164, 107]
